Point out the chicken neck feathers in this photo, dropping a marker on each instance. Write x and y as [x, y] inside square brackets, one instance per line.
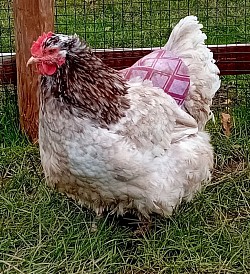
[85, 84]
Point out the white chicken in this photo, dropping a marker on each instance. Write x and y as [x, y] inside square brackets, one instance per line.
[120, 146]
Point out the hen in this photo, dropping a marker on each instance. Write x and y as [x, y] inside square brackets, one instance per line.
[118, 145]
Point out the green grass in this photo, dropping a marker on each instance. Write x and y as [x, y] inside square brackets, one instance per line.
[44, 232]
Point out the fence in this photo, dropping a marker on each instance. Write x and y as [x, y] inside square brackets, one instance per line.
[130, 29]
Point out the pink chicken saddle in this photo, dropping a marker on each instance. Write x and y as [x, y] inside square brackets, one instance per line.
[165, 70]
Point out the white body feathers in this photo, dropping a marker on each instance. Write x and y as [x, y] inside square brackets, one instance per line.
[187, 42]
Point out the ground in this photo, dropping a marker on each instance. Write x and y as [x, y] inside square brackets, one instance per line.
[43, 232]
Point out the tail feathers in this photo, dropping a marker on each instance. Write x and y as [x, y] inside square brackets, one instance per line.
[187, 42]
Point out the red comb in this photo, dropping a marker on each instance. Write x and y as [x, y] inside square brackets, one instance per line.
[36, 49]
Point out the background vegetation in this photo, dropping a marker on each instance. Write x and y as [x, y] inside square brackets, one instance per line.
[43, 232]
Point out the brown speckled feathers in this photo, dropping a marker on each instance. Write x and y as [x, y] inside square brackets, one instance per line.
[85, 83]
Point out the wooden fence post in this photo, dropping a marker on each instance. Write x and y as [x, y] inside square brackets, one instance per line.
[32, 18]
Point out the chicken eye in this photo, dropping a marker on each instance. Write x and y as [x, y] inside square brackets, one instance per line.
[52, 51]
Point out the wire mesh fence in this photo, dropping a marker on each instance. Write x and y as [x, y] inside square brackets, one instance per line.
[148, 23]
[8, 94]
[106, 24]
[7, 47]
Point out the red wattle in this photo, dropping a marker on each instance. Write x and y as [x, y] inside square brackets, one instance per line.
[47, 69]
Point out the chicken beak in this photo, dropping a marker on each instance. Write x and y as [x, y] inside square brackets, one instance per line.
[32, 60]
